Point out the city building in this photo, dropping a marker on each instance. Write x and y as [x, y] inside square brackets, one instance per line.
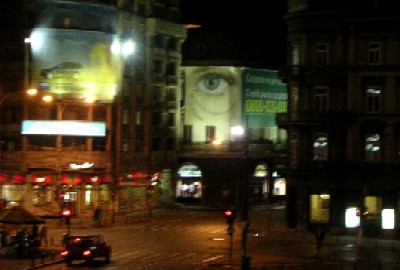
[109, 137]
[232, 149]
[343, 115]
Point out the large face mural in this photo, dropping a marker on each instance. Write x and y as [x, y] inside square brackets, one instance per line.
[225, 97]
[71, 50]
[213, 97]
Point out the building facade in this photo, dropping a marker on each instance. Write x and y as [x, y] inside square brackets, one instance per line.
[343, 115]
[112, 128]
[232, 149]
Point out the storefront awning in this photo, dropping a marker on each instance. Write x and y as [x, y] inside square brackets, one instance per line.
[71, 179]
[10, 178]
[42, 179]
[97, 178]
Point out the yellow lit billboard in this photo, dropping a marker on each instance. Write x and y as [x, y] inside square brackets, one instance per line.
[70, 54]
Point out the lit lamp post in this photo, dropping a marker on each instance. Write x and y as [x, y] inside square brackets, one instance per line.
[122, 49]
[240, 132]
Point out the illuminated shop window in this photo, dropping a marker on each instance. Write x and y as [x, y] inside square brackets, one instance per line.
[279, 187]
[352, 217]
[373, 207]
[372, 147]
[320, 146]
[88, 195]
[388, 219]
[319, 208]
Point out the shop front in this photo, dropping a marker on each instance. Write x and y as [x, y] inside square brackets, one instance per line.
[12, 189]
[83, 192]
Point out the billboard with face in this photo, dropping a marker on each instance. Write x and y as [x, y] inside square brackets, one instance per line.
[220, 98]
[70, 50]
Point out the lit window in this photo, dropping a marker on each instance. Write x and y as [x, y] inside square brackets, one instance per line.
[372, 147]
[320, 147]
[373, 94]
[319, 208]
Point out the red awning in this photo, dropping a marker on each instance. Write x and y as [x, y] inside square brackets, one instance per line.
[97, 178]
[42, 179]
[10, 178]
[70, 179]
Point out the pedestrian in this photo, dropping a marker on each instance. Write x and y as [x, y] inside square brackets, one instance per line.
[97, 216]
[43, 235]
[35, 232]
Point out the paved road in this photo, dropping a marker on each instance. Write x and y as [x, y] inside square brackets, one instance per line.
[270, 246]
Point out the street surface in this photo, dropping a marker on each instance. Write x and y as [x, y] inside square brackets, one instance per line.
[199, 240]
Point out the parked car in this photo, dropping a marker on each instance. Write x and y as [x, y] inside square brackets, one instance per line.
[65, 69]
[86, 247]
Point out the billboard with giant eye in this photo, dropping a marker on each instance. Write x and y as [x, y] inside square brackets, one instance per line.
[70, 50]
[219, 99]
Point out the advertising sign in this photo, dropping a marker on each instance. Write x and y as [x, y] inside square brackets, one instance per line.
[264, 95]
[218, 98]
[70, 50]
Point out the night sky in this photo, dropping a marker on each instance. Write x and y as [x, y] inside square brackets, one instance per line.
[233, 16]
[257, 27]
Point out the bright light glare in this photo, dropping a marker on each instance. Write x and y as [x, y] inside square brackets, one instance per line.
[47, 98]
[237, 130]
[31, 91]
[128, 48]
[125, 49]
[36, 40]
[351, 218]
[388, 219]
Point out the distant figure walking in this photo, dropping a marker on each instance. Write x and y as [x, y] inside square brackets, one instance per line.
[97, 216]
[43, 236]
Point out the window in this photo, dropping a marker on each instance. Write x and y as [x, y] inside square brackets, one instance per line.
[322, 54]
[373, 94]
[374, 53]
[320, 146]
[157, 66]
[187, 134]
[210, 133]
[319, 208]
[138, 118]
[295, 55]
[372, 147]
[125, 117]
[321, 99]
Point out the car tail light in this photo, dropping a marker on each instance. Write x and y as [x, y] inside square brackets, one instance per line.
[64, 253]
[87, 253]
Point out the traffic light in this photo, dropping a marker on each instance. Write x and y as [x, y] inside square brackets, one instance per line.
[230, 216]
[66, 213]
